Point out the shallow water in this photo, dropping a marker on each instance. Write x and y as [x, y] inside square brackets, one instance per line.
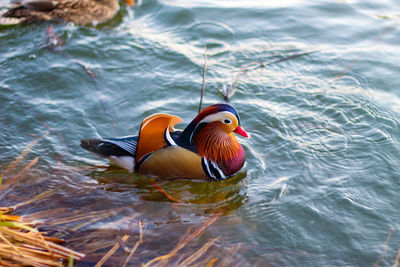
[320, 184]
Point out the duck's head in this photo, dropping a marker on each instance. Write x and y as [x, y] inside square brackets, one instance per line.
[211, 132]
[219, 117]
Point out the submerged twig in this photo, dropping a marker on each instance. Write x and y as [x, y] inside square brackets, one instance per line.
[161, 190]
[96, 85]
[199, 253]
[353, 62]
[196, 233]
[227, 92]
[384, 252]
[54, 43]
[29, 106]
[159, 258]
[111, 252]
[88, 218]
[185, 241]
[36, 198]
[204, 77]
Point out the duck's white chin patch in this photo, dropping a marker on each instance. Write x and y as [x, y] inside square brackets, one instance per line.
[126, 162]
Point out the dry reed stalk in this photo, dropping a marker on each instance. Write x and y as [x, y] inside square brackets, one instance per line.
[396, 261]
[7, 217]
[384, 252]
[37, 198]
[199, 253]
[159, 258]
[195, 234]
[91, 220]
[184, 241]
[26, 259]
[111, 252]
[7, 264]
[27, 149]
[204, 77]
[137, 243]
[9, 244]
[229, 261]
[14, 178]
[64, 168]
[227, 92]
[88, 216]
[32, 255]
[5, 210]
[211, 262]
[44, 213]
[49, 238]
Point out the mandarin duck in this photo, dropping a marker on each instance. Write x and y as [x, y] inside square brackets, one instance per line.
[77, 11]
[205, 149]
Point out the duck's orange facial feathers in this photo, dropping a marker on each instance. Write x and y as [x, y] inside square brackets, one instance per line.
[215, 144]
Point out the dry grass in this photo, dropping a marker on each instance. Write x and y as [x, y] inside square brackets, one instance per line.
[34, 239]
[21, 243]
[24, 243]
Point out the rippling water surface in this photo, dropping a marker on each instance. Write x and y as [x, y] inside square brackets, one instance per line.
[321, 181]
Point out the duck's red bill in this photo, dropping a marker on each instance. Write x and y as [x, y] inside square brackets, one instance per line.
[241, 131]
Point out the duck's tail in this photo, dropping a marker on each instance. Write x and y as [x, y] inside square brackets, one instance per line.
[9, 20]
[120, 151]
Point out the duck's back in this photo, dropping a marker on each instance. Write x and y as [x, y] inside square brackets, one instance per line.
[77, 11]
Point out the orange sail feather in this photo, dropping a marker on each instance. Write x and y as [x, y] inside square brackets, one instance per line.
[151, 135]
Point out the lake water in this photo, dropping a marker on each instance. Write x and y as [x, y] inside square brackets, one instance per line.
[321, 182]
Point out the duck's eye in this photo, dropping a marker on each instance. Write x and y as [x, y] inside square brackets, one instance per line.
[227, 121]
